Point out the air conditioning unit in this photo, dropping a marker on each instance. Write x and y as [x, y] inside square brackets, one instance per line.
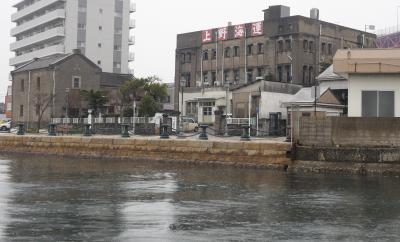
[206, 84]
[217, 83]
[198, 84]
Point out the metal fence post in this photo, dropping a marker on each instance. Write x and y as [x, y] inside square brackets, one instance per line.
[203, 135]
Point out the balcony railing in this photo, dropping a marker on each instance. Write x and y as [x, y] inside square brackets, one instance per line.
[131, 56]
[132, 23]
[57, 14]
[46, 35]
[131, 40]
[32, 9]
[51, 50]
[132, 8]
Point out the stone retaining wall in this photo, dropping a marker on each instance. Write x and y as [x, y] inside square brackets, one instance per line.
[257, 154]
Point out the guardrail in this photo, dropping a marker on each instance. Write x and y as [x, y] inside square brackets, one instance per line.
[109, 120]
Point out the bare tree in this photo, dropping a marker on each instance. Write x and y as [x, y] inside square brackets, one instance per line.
[42, 102]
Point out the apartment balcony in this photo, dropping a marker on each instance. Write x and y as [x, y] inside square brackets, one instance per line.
[132, 24]
[51, 16]
[131, 40]
[32, 9]
[132, 8]
[131, 57]
[37, 38]
[51, 50]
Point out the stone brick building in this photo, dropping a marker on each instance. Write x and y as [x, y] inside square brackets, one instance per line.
[282, 48]
[54, 81]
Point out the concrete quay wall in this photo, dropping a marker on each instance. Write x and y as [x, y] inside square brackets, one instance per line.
[236, 153]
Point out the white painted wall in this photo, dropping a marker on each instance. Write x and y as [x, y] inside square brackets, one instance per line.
[372, 82]
[271, 102]
[94, 36]
[71, 26]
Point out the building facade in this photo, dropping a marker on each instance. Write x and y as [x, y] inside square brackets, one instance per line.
[281, 48]
[373, 77]
[101, 29]
[51, 87]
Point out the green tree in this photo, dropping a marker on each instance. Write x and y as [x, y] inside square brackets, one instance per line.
[96, 100]
[148, 106]
[150, 92]
[132, 91]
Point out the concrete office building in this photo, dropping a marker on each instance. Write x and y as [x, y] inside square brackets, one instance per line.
[99, 28]
[281, 48]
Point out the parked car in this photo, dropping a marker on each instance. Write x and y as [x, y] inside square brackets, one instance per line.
[189, 125]
[5, 126]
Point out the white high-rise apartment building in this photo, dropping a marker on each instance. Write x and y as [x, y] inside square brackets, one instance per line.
[101, 29]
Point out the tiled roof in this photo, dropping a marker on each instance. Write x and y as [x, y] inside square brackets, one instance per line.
[40, 63]
[114, 79]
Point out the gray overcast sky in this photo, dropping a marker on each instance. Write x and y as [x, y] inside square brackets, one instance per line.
[159, 21]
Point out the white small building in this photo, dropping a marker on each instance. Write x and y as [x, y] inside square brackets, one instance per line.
[374, 81]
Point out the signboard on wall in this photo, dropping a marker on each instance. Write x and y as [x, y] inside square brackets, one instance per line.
[257, 28]
[206, 36]
[239, 31]
[223, 33]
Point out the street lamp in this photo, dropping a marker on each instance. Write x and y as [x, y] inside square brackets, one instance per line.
[66, 102]
[291, 67]
[227, 85]
[179, 121]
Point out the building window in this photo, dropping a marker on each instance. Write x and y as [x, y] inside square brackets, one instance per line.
[236, 51]
[21, 110]
[227, 52]
[117, 47]
[280, 28]
[213, 77]
[98, 62]
[311, 74]
[226, 76]
[189, 57]
[22, 87]
[76, 82]
[100, 28]
[330, 51]
[260, 72]
[191, 109]
[99, 45]
[250, 49]
[207, 111]
[100, 10]
[205, 78]
[311, 47]
[377, 103]
[249, 75]
[236, 75]
[116, 65]
[260, 48]
[323, 48]
[305, 74]
[280, 46]
[288, 73]
[288, 45]
[280, 74]
[81, 44]
[81, 26]
[305, 45]
[205, 55]
[38, 83]
[214, 54]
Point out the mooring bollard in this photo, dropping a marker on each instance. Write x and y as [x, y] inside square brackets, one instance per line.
[203, 135]
[245, 133]
[125, 131]
[87, 132]
[52, 130]
[164, 133]
[21, 129]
